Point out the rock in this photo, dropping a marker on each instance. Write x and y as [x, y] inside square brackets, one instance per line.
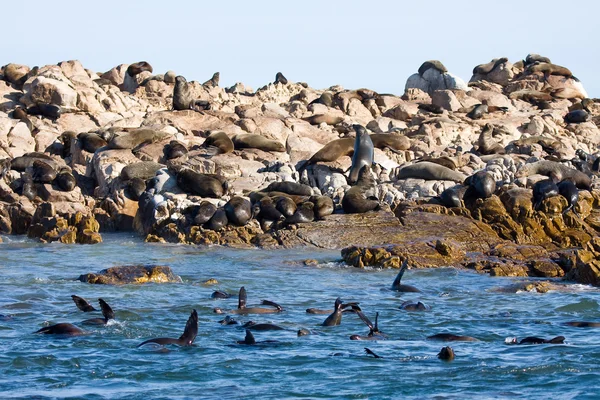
[433, 80]
[132, 274]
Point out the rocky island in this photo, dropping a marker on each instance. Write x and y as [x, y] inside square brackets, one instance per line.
[498, 174]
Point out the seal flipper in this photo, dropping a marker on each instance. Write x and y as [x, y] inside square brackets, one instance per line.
[370, 352]
[396, 283]
[191, 330]
[82, 304]
[556, 340]
[272, 304]
[107, 312]
[367, 321]
[242, 297]
[249, 339]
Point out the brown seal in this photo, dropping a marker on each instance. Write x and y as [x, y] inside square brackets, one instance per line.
[290, 188]
[478, 111]
[90, 141]
[304, 213]
[550, 69]
[220, 141]
[432, 64]
[203, 185]
[279, 78]
[532, 58]
[487, 144]
[107, 314]
[430, 171]
[329, 119]
[484, 69]
[252, 141]
[398, 285]
[138, 67]
[136, 137]
[331, 152]
[238, 210]
[175, 149]
[186, 339]
[391, 141]
[360, 198]
[61, 329]
[213, 82]
[142, 169]
[243, 309]
[65, 180]
[182, 95]
[218, 220]
[450, 337]
[323, 206]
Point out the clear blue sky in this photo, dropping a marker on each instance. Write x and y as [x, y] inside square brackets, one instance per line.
[373, 44]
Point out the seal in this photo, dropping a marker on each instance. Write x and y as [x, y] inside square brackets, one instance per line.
[249, 340]
[435, 64]
[186, 339]
[107, 313]
[218, 221]
[432, 108]
[532, 58]
[42, 172]
[370, 352]
[450, 337]
[265, 209]
[138, 67]
[361, 198]
[182, 95]
[244, 310]
[199, 184]
[335, 318]
[213, 82]
[556, 169]
[290, 188]
[363, 152]
[219, 294]
[63, 328]
[90, 141]
[331, 152]
[304, 213]
[478, 111]
[285, 205]
[569, 191]
[390, 141]
[135, 187]
[279, 78]
[238, 210]
[543, 190]
[446, 354]
[397, 285]
[65, 180]
[487, 144]
[323, 206]
[484, 69]
[374, 332]
[329, 119]
[583, 324]
[143, 170]
[453, 196]
[550, 69]
[204, 213]
[412, 306]
[49, 111]
[136, 137]
[252, 141]
[326, 98]
[535, 340]
[251, 325]
[220, 142]
[481, 185]
[430, 171]
[576, 117]
[175, 149]
[19, 113]
[82, 304]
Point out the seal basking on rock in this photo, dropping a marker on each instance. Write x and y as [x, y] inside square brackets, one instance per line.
[186, 339]
[543, 190]
[430, 171]
[199, 184]
[238, 210]
[361, 198]
[220, 142]
[331, 151]
[560, 172]
[435, 64]
[252, 141]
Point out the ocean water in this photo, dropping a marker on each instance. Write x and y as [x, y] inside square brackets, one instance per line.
[36, 282]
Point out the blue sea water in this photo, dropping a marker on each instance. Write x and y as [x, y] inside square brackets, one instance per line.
[37, 281]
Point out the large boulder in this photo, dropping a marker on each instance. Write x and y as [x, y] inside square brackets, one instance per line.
[132, 274]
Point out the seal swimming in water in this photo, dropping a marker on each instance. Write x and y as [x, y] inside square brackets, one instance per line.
[238, 210]
[250, 340]
[536, 340]
[412, 306]
[63, 328]
[243, 309]
[220, 142]
[583, 324]
[335, 318]
[82, 304]
[186, 339]
[397, 285]
[251, 325]
[361, 198]
[252, 141]
[446, 354]
[363, 152]
[107, 313]
[374, 332]
[449, 337]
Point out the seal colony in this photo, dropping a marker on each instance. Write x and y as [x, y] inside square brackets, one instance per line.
[182, 161]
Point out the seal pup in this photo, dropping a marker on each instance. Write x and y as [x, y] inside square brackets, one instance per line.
[107, 313]
[374, 332]
[63, 328]
[228, 320]
[543, 190]
[186, 339]
[535, 340]
[446, 354]
[243, 309]
[335, 318]
[361, 198]
[396, 285]
[363, 152]
[449, 337]
[82, 304]
[432, 108]
[219, 143]
[569, 191]
[279, 78]
[238, 210]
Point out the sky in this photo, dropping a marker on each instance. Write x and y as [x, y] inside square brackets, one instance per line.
[373, 44]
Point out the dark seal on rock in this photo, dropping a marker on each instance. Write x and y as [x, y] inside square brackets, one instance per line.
[252, 141]
[143, 170]
[478, 111]
[135, 187]
[175, 149]
[285, 205]
[182, 95]
[361, 198]
[543, 190]
[569, 191]
[432, 64]
[138, 67]
[289, 188]
[199, 184]
[265, 209]
[323, 206]
[484, 69]
[218, 221]
[304, 213]
[65, 180]
[279, 78]
[557, 170]
[487, 144]
[220, 141]
[50, 111]
[481, 185]
[532, 58]
[42, 172]
[576, 117]
[453, 196]
[90, 141]
[238, 210]
[363, 152]
[204, 213]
